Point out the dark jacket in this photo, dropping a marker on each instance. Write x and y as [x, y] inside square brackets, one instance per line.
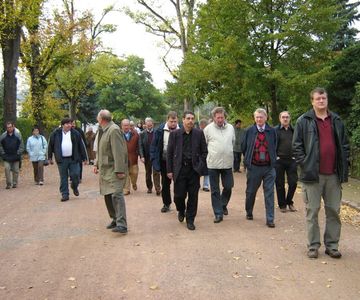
[144, 146]
[78, 147]
[306, 147]
[277, 129]
[199, 152]
[11, 147]
[156, 147]
[248, 144]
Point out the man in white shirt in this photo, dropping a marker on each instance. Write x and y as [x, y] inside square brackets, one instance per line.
[220, 138]
[69, 150]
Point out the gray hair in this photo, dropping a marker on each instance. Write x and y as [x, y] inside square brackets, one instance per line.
[125, 121]
[105, 115]
[148, 119]
[218, 110]
[260, 111]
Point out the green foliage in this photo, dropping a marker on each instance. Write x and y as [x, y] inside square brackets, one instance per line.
[259, 53]
[345, 74]
[25, 126]
[129, 92]
[1, 99]
[353, 121]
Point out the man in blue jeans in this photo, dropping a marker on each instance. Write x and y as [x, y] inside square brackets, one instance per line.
[259, 149]
[69, 150]
[220, 138]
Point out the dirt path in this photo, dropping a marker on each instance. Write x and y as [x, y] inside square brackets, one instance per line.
[55, 250]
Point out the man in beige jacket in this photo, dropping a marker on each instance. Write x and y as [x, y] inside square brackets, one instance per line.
[112, 165]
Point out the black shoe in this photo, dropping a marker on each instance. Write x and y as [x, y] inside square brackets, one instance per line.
[165, 208]
[205, 189]
[313, 253]
[64, 198]
[334, 253]
[149, 191]
[225, 211]
[14, 186]
[111, 225]
[120, 229]
[249, 217]
[218, 219]
[8, 186]
[158, 193]
[190, 226]
[270, 224]
[76, 192]
[181, 216]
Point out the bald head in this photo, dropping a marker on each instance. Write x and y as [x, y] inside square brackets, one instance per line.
[104, 117]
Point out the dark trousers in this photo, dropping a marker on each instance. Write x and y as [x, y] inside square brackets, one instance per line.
[149, 171]
[237, 161]
[255, 175]
[165, 183]
[187, 184]
[287, 166]
[219, 201]
[68, 167]
[38, 167]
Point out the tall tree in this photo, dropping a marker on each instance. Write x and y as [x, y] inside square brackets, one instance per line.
[13, 14]
[174, 29]
[263, 52]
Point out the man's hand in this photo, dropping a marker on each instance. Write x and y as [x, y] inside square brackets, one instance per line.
[170, 175]
[85, 162]
[51, 162]
[142, 159]
[96, 170]
[120, 175]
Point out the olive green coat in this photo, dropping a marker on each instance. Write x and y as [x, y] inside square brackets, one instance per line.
[112, 158]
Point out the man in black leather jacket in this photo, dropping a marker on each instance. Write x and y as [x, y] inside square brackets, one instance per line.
[321, 149]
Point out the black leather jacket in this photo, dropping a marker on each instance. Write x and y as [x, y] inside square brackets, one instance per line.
[306, 147]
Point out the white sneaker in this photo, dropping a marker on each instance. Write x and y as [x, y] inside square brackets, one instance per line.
[41, 183]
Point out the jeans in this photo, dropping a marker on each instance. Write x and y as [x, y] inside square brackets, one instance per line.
[68, 167]
[289, 167]
[328, 188]
[219, 201]
[206, 182]
[237, 161]
[255, 175]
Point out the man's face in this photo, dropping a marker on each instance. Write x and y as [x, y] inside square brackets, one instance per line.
[284, 119]
[10, 128]
[260, 119]
[36, 131]
[319, 101]
[238, 125]
[188, 121]
[219, 119]
[149, 125]
[67, 126]
[125, 126]
[73, 124]
[172, 123]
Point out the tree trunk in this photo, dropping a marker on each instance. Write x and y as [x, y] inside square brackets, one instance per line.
[274, 107]
[37, 89]
[10, 52]
[72, 109]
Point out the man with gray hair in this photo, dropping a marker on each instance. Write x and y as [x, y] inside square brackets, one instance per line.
[220, 138]
[259, 149]
[112, 164]
[145, 140]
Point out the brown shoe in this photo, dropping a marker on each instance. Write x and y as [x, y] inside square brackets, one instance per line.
[292, 208]
[134, 187]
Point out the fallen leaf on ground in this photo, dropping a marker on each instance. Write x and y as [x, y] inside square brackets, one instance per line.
[249, 276]
[328, 286]
[2, 287]
[236, 275]
[276, 267]
[324, 262]
[154, 287]
[71, 279]
[277, 278]
[236, 257]
[73, 286]
[230, 251]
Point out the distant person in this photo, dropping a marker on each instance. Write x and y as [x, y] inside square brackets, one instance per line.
[69, 150]
[220, 138]
[146, 138]
[36, 147]
[206, 182]
[112, 166]
[239, 135]
[186, 162]
[285, 163]
[158, 151]
[11, 148]
[134, 127]
[259, 149]
[132, 141]
[321, 149]
[83, 138]
[90, 141]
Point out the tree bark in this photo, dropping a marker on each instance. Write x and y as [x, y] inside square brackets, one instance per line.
[11, 53]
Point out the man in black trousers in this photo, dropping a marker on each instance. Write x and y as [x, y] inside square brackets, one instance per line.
[186, 162]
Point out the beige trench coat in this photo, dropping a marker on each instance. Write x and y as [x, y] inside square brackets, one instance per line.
[112, 158]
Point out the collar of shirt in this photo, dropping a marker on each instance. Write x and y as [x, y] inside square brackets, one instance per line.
[150, 131]
[166, 127]
[261, 128]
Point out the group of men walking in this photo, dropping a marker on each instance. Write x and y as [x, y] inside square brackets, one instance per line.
[317, 144]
